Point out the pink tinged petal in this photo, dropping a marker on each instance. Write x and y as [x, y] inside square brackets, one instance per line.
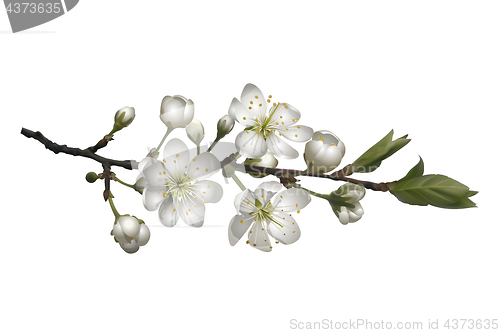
[192, 211]
[243, 115]
[152, 196]
[297, 133]
[290, 200]
[286, 230]
[155, 174]
[143, 237]
[244, 202]
[168, 213]
[251, 96]
[285, 115]
[250, 144]
[203, 166]
[258, 237]
[280, 148]
[176, 156]
[208, 191]
[238, 226]
[131, 247]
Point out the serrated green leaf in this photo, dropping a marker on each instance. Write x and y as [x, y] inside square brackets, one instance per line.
[436, 190]
[416, 171]
[374, 156]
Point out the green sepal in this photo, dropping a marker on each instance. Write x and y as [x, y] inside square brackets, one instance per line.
[374, 156]
[416, 171]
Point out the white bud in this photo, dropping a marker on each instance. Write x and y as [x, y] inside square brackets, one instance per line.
[195, 131]
[224, 126]
[266, 161]
[350, 215]
[124, 116]
[324, 152]
[176, 111]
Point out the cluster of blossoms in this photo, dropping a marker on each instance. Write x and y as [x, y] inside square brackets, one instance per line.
[177, 185]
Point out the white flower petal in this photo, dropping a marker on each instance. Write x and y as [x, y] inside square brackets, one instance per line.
[192, 211]
[195, 131]
[280, 148]
[251, 96]
[285, 115]
[203, 166]
[263, 195]
[297, 133]
[287, 231]
[129, 225]
[143, 237]
[250, 144]
[238, 226]
[147, 161]
[152, 196]
[130, 247]
[241, 114]
[119, 234]
[258, 237]
[156, 174]
[291, 200]
[244, 202]
[167, 213]
[272, 186]
[176, 157]
[208, 191]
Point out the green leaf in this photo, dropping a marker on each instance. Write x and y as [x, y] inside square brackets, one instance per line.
[416, 171]
[374, 156]
[436, 190]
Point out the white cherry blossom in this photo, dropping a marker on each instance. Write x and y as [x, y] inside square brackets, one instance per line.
[265, 128]
[264, 219]
[178, 187]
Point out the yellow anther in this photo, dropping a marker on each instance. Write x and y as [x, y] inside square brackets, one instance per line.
[298, 211]
[242, 221]
[251, 102]
[176, 155]
[260, 104]
[298, 126]
[164, 160]
[256, 97]
[248, 242]
[206, 170]
[270, 96]
[250, 108]
[319, 137]
[244, 118]
[208, 186]
[296, 205]
[296, 135]
[333, 144]
[197, 168]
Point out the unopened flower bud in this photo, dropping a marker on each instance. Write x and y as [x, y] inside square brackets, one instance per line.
[195, 131]
[176, 111]
[224, 126]
[266, 161]
[324, 152]
[91, 177]
[125, 116]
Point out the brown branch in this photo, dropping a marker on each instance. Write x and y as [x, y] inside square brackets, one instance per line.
[89, 152]
[287, 176]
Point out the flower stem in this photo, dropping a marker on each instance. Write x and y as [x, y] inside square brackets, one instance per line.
[316, 194]
[239, 183]
[197, 149]
[112, 205]
[213, 144]
[164, 137]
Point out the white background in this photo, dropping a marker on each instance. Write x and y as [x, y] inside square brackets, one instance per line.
[428, 68]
